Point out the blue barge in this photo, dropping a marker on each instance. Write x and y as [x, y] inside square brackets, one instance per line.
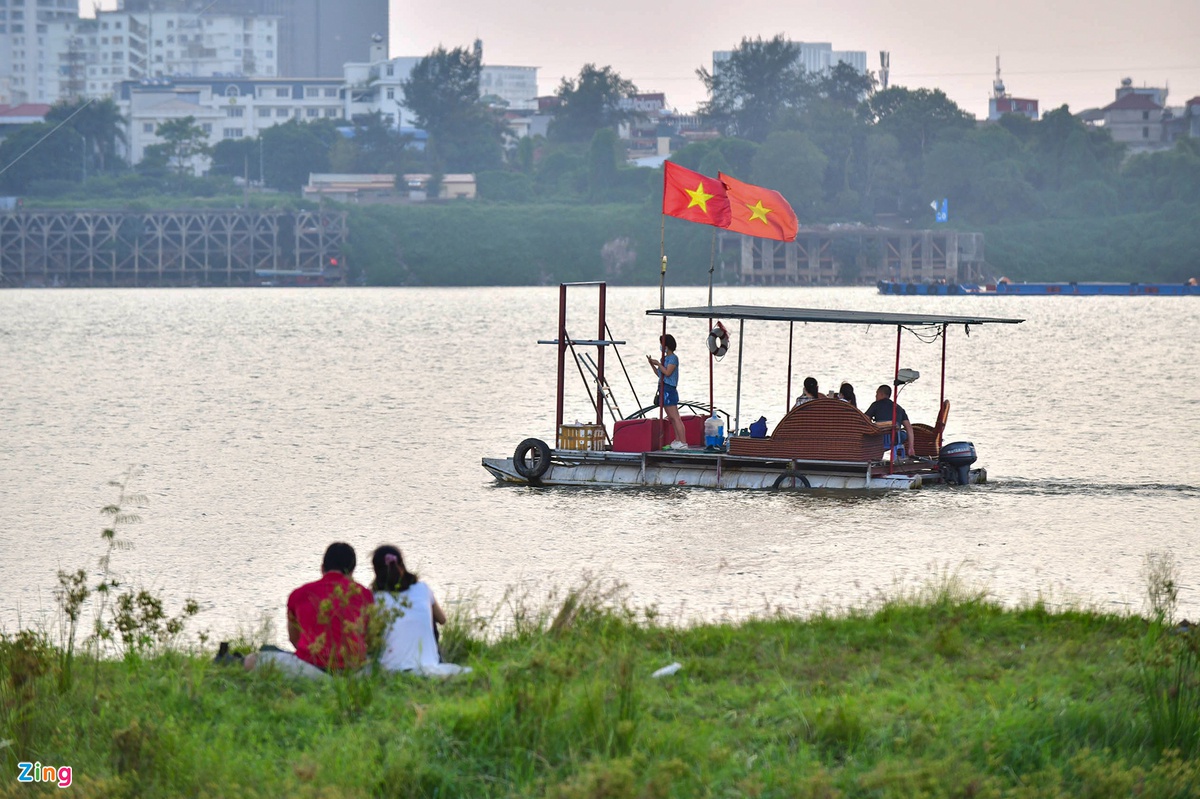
[1042, 289]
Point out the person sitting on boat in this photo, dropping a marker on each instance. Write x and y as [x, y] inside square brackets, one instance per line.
[846, 394]
[881, 413]
[667, 371]
[326, 621]
[411, 617]
[811, 392]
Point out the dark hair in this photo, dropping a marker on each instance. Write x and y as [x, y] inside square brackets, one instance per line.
[667, 341]
[339, 557]
[886, 389]
[810, 387]
[390, 574]
[847, 392]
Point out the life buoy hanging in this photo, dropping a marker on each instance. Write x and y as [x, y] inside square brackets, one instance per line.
[718, 340]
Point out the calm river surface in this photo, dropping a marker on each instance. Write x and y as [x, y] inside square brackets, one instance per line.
[267, 423]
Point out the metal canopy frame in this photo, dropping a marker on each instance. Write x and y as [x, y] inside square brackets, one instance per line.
[822, 315]
[769, 314]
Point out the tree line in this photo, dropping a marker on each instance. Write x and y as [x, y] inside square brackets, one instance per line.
[836, 145]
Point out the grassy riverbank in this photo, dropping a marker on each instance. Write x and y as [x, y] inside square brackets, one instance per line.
[944, 694]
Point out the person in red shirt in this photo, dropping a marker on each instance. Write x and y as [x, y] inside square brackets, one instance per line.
[327, 620]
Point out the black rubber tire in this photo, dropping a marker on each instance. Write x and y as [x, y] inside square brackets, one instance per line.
[794, 477]
[532, 468]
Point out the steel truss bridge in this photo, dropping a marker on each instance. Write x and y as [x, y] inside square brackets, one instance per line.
[169, 248]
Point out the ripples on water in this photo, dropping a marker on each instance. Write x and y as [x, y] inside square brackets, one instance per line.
[270, 422]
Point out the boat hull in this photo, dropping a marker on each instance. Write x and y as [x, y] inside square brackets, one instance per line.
[696, 469]
[1042, 289]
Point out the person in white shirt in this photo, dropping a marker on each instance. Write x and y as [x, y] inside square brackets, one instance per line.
[410, 640]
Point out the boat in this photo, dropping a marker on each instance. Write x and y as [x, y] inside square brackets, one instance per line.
[824, 443]
[1007, 288]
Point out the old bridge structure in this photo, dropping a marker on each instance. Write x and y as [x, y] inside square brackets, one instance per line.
[826, 256]
[171, 248]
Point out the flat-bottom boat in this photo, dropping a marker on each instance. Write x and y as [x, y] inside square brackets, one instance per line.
[823, 443]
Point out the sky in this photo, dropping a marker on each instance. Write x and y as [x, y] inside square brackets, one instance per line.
[1056, 51]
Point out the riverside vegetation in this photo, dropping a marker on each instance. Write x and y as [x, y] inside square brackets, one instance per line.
[939, 692]
[1057, 198]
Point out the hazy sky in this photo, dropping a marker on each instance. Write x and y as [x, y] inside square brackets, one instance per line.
[1057, 51]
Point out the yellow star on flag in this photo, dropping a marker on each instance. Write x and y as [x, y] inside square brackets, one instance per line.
[758, 211]
[699, 198]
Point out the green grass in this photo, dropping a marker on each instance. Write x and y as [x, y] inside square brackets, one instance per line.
[940, 694]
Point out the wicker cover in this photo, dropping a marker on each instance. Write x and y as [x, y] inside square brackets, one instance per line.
[820, 429]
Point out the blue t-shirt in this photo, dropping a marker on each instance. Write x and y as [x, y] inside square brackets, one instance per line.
[673, 378]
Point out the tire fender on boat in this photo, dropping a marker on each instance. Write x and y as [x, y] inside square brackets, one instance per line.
[531, 459]
[795, 477]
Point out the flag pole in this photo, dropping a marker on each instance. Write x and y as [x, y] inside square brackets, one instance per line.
[662, 302]
[711, 356]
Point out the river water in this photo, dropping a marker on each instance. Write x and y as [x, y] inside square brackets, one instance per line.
[264, 424]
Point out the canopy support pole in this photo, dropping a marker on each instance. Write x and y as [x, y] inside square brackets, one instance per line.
[787, 404]
[942, 393]
[895, 437]
[737, 411]
[600, 384]
[562, 360]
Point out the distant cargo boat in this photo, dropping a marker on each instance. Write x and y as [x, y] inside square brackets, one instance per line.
[1042, 289]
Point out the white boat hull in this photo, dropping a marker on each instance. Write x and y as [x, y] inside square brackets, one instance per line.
[709, 470]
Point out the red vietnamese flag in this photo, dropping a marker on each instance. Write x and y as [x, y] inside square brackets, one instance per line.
[691, 196]
[760, 212]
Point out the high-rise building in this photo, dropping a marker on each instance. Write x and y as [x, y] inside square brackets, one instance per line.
[316, 36]
[817, 58]
[29, 49]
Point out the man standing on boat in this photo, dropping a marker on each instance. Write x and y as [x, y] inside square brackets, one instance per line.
[667, 371]
[881, 413]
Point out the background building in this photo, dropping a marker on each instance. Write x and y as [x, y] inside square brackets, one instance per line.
[817, 58]
[224, 108]
[29, 51]
[1001, 102]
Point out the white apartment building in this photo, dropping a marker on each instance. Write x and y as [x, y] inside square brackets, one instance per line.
[817, 58]
[29, 49]
[121, 46]
[374, 86]
[224, 108]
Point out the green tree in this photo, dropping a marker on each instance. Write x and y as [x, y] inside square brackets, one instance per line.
[883, 172]
[760, 83]
[792, 165]
[604, 155]
[100, 124]
[293, 150]
[36, 153]
[845, 86]
[1066, 151]
[916, 117]
[591, 102]
[443, 92]
[237, 158]
[182, 142]
[380, 149]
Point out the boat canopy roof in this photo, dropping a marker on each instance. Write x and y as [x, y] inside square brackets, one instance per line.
[768, 314]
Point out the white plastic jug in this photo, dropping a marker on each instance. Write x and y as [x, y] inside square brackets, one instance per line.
[714, 431]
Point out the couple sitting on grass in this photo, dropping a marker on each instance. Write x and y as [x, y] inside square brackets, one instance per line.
[334, 622]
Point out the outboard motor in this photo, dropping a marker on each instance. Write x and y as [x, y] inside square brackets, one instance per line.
[954, 462]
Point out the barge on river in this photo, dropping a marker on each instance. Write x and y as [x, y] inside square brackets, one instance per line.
[1008, 288]
[824, 443]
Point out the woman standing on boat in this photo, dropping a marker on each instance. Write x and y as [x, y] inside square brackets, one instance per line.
[668, 390]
